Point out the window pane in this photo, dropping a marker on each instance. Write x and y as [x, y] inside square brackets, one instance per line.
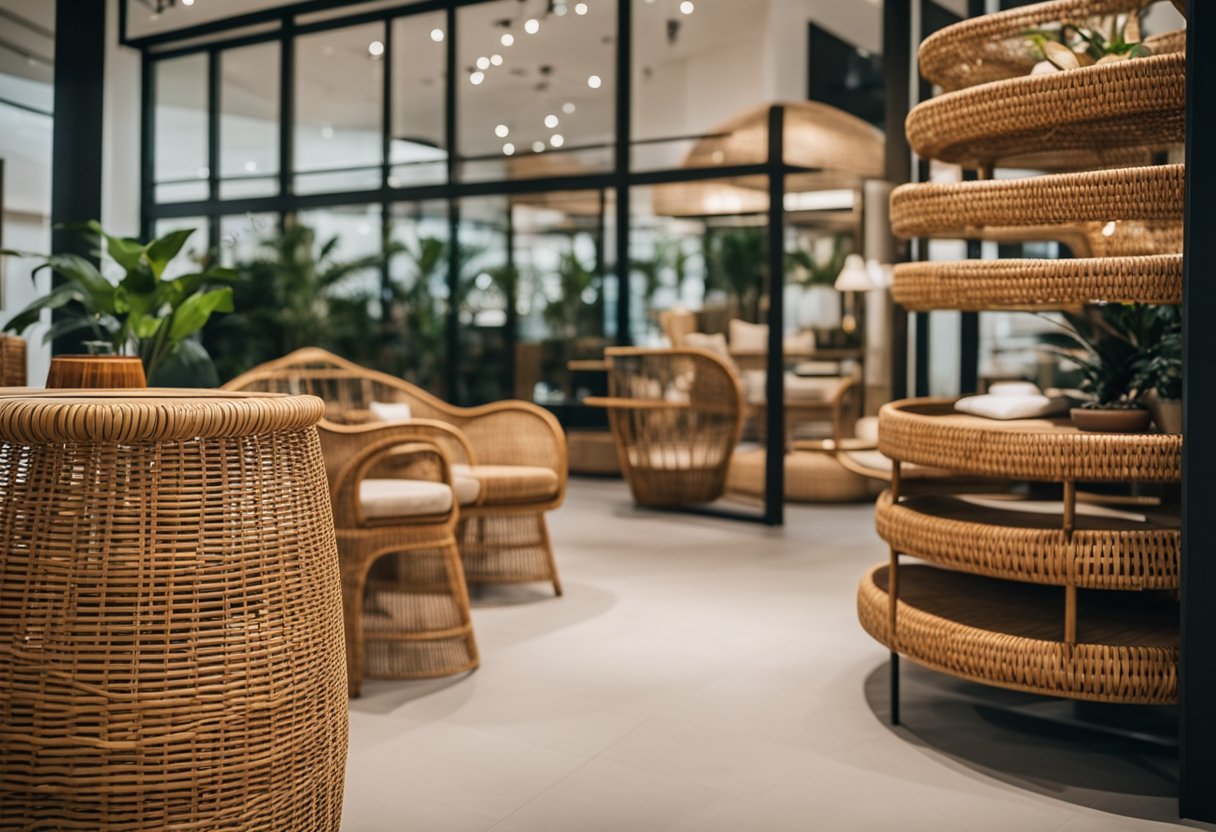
[544, 105]
[416, 329]
[249, 121]
[241, 235]
[181, 129]
[417, 151]
[339, 94]
[487, 280]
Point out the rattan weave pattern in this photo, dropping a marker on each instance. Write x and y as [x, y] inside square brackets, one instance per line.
[170, 615]
[13, 362]
[1112, 107]
[958, 209]
[931, 432]
[1003, 544]
[993, 47]
[1001, 633]
[977, 285]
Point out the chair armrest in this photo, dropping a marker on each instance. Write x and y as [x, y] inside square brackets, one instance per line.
[515, 433]
[634, 404]
[352, 451]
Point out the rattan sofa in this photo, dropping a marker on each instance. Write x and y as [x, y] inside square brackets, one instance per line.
[509, 464]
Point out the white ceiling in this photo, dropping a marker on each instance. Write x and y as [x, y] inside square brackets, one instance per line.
[27, 47]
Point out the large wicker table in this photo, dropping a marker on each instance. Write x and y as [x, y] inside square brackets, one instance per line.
[171, 651]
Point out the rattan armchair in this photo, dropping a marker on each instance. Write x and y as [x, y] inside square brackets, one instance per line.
[676, 415]
[397, 547]
[508, 458]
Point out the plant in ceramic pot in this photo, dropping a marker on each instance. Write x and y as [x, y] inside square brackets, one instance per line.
[1068, 45]
[1160, 372]
[143, 313]
[1110, 348]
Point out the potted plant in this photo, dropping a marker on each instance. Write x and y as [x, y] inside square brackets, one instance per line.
[143, 313]
[1160, 372]
[1110, 347]
[1068, 45]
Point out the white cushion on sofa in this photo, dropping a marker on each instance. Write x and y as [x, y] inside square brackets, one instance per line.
[383, 498]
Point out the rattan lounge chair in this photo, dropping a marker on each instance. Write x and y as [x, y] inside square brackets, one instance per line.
[508, 458]
[405, 604]
[676, 415]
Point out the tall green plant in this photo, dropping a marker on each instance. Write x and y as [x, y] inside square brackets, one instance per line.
[1115, 347]
[143, 313]
[736, 263]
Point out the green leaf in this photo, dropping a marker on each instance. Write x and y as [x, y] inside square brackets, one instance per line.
[161, 252]
[59, 296]
[195, 310]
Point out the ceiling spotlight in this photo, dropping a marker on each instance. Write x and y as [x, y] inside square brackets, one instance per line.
[187, 2]
[580, 8]
[327, 132]
[559, 7]
[538, 147]
[502, 131]
[594, 82]
[437, 35]
[251, 166]
[483, 62]
[687, 7]
[203, 172]
[496, 59]
[557, 140]
[375, 49]
[476, 78]
[531, 25]
[508, 149]
[550, 121]
[568, 107]
[508, 39]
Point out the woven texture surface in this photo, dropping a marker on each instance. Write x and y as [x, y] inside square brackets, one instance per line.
[13, 364]
[961, 209]
[170, 613]
[977, 285]
[930, 432]
[993, 47]
[676, 452]
[502, 433]
[1100, 109]
[1012, 543]
[1011, 635]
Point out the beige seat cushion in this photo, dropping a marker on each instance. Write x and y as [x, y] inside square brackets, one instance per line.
[383, 499]
[511, 484]
[467, 487]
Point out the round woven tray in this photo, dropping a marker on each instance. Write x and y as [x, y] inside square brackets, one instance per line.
[1108, 108]
[994, 47]
[931, 432]
[976, 285]
[1008, 634]
[967, 209]
[1019, 540]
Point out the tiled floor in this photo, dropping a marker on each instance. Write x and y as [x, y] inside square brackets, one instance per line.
[708, 675]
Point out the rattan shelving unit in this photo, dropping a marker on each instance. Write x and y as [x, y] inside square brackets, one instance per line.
[1075, 598]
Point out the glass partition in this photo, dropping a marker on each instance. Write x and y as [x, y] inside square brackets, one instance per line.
[181, 171]
[417, 145]
[249, 121]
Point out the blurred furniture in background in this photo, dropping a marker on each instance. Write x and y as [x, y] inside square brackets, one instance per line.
[508, 458]
[404, 598]
[676, 415]
[13, 372]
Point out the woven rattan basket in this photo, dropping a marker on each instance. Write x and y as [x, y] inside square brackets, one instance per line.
[171, 614]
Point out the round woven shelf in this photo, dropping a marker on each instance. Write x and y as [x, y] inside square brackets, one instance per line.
[1108, 108]
[970, 209]
[1008, 634]
[1020, 540]
[931, 432]
[993, 47]
[976, 285]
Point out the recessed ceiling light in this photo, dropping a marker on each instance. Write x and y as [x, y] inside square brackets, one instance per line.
[557, 140]
[538, 147]
[496, 59]
[568, 107]
[476, 78]
[687, 7]
[531, 25]
[508, 149]
[594, 82]
[559, 8]
[550, 121]
[508, 39]
[580, 8]
[483, 62]
[394, 182]
[502, 131]
[327, 132]
[251, 166]
[187, 2]
[375, 49]
[437, 35]
[203, 173]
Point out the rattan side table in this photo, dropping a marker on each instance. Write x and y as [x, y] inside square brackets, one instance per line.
[171, 649]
